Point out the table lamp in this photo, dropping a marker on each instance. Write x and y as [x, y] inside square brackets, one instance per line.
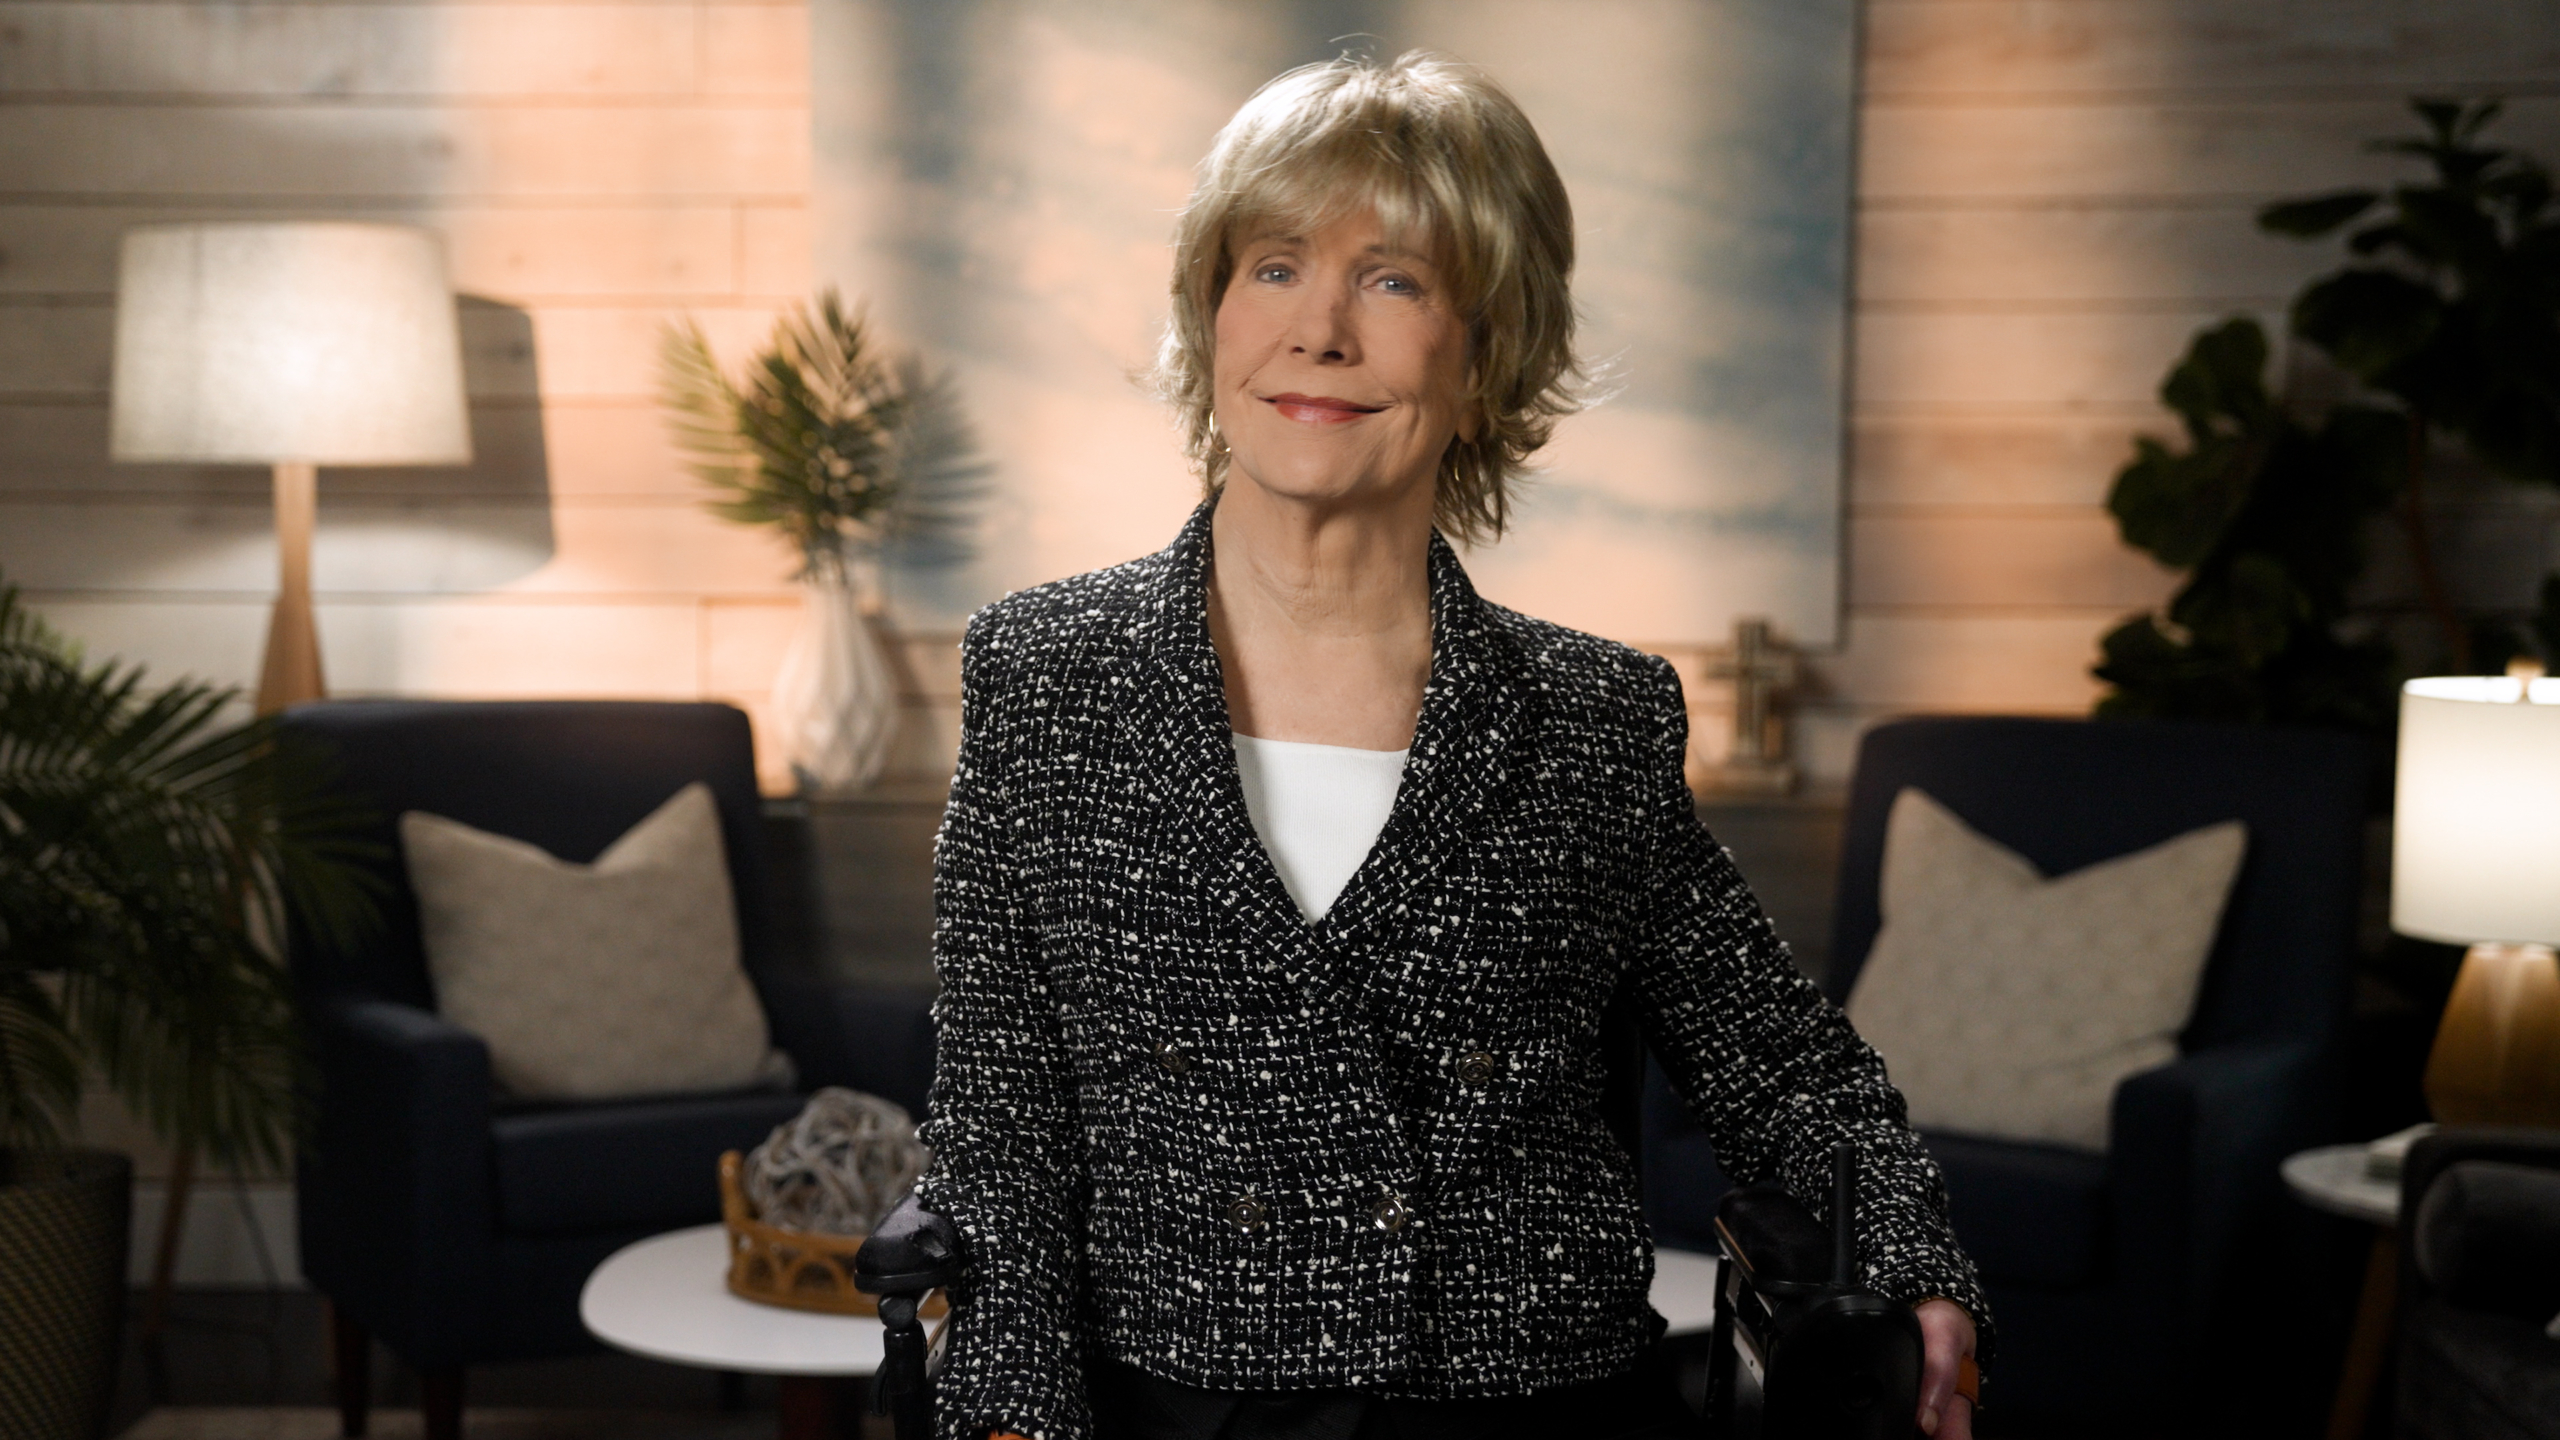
[2475, 859]
[294, 344]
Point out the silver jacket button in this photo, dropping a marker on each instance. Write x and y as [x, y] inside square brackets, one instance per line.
[1248, 1215]
[1172, 1057]
[1475, 1069]
[1390, 1214]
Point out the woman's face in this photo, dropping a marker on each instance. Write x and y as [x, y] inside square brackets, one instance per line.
[1341, 364]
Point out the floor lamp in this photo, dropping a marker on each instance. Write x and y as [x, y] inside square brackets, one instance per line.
[295, 345]
[2475, 859]
[292, 344]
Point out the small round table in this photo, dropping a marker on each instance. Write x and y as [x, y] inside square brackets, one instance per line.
[1684, 1290]
[2334, 1178]
[667, 1298]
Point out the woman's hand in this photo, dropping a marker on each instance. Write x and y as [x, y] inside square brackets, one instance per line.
[1946, 1342]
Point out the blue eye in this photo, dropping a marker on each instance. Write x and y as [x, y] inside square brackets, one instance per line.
[1399, 285]
[1273, 273]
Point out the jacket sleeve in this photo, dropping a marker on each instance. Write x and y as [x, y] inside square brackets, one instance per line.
[1007, 1163]
[1771, 1069]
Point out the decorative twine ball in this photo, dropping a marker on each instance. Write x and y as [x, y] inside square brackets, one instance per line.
[837, 1167]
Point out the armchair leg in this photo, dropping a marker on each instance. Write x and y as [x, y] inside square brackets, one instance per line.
[351, 1362]
[440, 1401]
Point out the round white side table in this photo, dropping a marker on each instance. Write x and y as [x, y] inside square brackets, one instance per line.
[2333, 1178]
[1684, 1290]
[667, 1298]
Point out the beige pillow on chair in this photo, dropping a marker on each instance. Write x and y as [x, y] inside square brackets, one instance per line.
[594, 982]
[2010, 1005]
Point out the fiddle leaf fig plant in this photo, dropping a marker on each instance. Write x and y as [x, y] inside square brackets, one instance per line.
[2267, 515]
[2447, 316]
[148, 853]
[2452, 308]
[2453, 303]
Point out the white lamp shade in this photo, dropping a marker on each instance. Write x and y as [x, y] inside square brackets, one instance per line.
[2475, 847]
[327, 342]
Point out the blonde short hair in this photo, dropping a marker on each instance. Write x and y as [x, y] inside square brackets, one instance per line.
[1440, 153]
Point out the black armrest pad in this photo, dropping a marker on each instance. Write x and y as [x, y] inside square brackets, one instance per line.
[2433, 1154]
[910, 1252]
[1778, 1242]
[2488, 1237]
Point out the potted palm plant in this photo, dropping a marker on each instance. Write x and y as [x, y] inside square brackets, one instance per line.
[850, 451]
[147, 850]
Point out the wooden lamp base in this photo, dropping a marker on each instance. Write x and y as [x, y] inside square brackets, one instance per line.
[291, 674]
[2497, 1053]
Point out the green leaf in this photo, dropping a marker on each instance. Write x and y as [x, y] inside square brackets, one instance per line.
[2317, 215]
[2174, 506]
[2448, 227]
[147, 852]
[2220, 385]
[2444, 117]
[2374, 239]
[2369, 321]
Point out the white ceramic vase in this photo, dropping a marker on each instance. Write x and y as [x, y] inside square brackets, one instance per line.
[835, 698]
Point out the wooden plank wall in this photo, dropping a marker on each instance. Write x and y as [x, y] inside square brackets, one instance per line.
[594, 167]
[2054, 194]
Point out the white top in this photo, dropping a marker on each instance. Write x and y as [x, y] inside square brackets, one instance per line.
[667, 1297]
[1318, 809]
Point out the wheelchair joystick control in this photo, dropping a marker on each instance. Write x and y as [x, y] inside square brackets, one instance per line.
[1802, 1350]
[909, 1254]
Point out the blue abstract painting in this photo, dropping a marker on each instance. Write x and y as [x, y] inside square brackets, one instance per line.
[998, 180]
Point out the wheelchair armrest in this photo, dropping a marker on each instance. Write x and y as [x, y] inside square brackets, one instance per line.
[2435, 1153]
[911, 1251]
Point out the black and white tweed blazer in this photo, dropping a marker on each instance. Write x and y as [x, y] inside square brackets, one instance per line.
[1179, 1126]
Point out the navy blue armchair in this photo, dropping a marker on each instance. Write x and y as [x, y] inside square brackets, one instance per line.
[454, 1226]
[2114, 1276]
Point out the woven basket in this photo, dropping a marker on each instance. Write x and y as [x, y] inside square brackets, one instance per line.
[791, 1267]
[64, 1215]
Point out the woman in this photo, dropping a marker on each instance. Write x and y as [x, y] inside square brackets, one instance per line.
[1284, 881]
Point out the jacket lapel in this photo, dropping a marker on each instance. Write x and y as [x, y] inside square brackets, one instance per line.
[1471, 717]
[1179, 719]
[1471, 714]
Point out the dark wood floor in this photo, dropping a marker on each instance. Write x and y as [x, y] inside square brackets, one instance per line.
[266, 1348]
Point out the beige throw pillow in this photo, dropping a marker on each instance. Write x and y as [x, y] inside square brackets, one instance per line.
[2010, 1005]
[593, 982]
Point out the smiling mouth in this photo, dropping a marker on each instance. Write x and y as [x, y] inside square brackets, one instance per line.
[1320, 409]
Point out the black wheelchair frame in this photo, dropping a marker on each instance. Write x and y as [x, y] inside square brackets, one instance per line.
[1800, 1350]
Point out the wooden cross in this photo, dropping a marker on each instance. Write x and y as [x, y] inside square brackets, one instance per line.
[1761, 670]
